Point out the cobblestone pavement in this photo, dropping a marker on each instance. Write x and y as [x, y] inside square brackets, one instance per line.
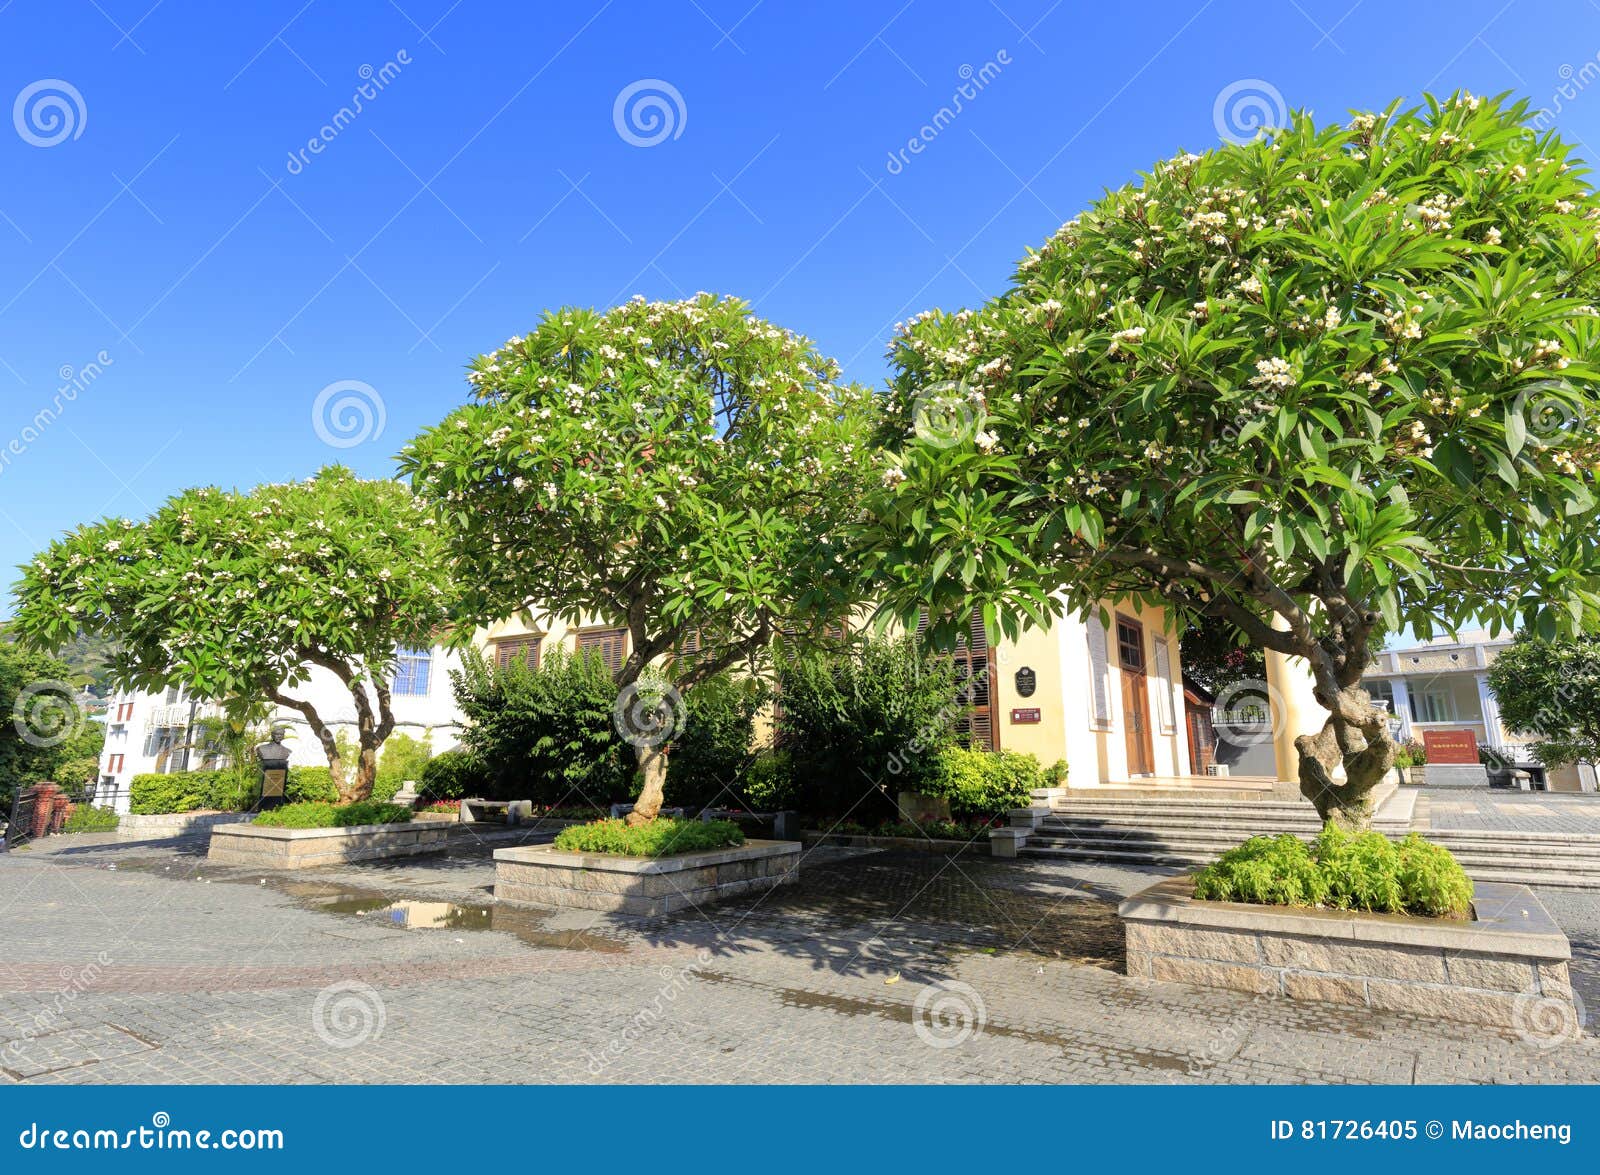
[1456, 810]
[139, 963]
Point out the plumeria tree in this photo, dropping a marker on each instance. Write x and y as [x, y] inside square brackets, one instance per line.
[681, 469]
[1337, 380]
[237, 596]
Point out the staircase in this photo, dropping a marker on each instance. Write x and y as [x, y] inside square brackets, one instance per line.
[1150, 829]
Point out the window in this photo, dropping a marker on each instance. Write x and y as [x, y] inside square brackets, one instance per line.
[124, 711]
[518, 648]
[974, 663]
[610, 643]
[1130, 645]
[1433, 703]
[114, 764]
[1381, 691]
[413, 672]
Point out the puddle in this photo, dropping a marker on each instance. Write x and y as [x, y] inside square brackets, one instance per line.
[418, 914]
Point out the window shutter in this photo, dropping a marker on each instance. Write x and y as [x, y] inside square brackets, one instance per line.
[520, 648]
[1099, 676]
[1165, 713]
[610, 643]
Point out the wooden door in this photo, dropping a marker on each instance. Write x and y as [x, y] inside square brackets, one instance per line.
[1135, 697]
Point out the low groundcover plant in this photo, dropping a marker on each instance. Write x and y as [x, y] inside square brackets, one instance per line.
[321, 815]
[659, 838]
[1340, 870]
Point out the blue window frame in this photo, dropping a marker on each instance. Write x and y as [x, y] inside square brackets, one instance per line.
[413, 670]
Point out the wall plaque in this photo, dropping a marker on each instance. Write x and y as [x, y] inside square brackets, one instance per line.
[1025, 717]
[1027, 682]
[1446, 747]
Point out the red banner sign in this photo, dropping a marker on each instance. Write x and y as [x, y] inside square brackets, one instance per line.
[1446, 747]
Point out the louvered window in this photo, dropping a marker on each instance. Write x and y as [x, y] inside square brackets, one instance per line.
[518, 648]
[975, 680]
[610, 643]
[1166, 712]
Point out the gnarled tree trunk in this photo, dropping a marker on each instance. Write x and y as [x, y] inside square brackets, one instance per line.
[1355, 737]
[652, 760]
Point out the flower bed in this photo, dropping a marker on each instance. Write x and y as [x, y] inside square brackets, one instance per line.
[316, 814]
[658, 838]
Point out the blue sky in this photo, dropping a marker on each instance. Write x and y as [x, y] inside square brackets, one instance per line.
[157, 221]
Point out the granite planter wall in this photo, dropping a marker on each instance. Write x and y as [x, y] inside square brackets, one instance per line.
[540, 875]
[1506, 967]
[307, 848]
[165, 824]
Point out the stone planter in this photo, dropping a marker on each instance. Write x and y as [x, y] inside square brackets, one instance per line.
[1506, 967]
[167, 824]
[540, 875]
[307, 848]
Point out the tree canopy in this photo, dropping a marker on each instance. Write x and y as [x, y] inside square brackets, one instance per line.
[238, 595]
[1335, 380]
[681, 469]
[1551, 690]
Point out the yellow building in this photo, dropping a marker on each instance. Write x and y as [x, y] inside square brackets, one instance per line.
[1108, 701]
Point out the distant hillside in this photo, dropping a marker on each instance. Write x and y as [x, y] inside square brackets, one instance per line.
[90, 659]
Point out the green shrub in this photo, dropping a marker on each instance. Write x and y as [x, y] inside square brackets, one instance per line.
[1276, 871]
[314, 814]
[234, 789]
[370, 812]
[1432, 881]
[74, 773]
[402, 758]
[659, 838]
[883, 710]
[305, 814]
[768, 783]
[385, 786]
[1362, 870]
[713, 751]
[86, 818]
[451, 775]
[985, 783]
[181, 791]
[311, 785]
[546, 734]
[1343, 870]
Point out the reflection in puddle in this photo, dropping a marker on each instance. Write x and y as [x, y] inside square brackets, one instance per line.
[414, 914]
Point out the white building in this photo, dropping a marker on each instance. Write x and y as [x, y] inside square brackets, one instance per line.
[160, 733]
[1444, 685]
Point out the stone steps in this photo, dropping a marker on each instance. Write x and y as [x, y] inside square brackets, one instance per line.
[1190, 831]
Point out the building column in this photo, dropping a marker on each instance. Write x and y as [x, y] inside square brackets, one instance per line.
[1493, 734]
[1402, 704]
[1296, 710]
